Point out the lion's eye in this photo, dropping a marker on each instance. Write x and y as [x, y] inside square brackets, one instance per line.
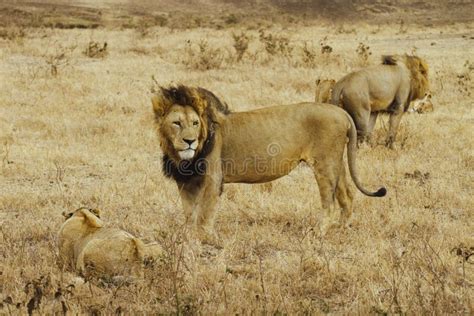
[177, 123]
[196, 123]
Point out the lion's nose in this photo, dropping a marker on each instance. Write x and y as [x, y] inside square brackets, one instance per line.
[189, 141]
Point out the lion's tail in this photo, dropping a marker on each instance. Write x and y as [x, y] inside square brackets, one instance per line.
[351, 157]
[336, 94]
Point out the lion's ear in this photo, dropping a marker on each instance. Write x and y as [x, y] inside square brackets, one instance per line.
[67, 215]
[96, 212]
[158, 106]
[161, 102]
[318, 81]
[91, 219]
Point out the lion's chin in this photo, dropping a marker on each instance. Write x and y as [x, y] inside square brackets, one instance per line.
[187, 154]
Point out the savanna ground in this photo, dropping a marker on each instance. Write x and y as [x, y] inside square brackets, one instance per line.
[76, 129]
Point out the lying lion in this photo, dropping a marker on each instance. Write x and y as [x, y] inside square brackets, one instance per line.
[205, 146]
[388, 87]
[323, 90]
[423, 106]
[93, 250]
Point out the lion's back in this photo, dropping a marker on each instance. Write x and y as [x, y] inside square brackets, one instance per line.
[110, 251]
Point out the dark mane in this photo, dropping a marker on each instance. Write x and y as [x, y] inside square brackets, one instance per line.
[181, 95]
[187, 171]
[193, 170]
[214, 101]
[184, 95]
[389, 60]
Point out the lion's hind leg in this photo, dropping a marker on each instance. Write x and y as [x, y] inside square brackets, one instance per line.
[370, 127]
[359, 110]
[344, 197]
[397, 110]
[326, 176]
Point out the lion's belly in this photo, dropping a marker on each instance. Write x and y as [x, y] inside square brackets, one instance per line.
[255, 169]
[380, 104]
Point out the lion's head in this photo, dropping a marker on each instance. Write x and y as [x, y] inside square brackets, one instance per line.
[187, 118]
[323, 90]
[424, 105]
[419, 84]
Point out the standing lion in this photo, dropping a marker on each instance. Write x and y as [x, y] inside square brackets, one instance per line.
[388, 87]
[205, 145]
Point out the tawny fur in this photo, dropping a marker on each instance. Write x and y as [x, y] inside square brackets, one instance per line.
[259, 146]
[85, 246]
[422, 106]
[388, 87]
[323, 90]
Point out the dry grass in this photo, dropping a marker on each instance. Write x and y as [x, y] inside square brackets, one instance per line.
[84, 137]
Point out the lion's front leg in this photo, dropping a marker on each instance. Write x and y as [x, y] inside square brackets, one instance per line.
[394, 123]
[199, 204]
[200, 198]
[189, 197]
[207, 207]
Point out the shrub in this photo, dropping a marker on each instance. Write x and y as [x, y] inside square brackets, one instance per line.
[309, 55]
[275, 45]
[59, 58]
[231, 19]
[325, 48]
[402, 27]
[95, 50]
[204, 57]
[241, 44]
[464, 79]
[363, 51]
[12, 33]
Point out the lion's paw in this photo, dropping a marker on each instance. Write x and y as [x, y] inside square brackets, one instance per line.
[209, 237]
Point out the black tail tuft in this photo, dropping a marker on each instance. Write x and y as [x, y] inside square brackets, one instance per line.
[381, 192]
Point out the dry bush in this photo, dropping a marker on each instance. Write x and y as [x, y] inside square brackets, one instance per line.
[59, 58]
[464, 79]
[13, 33]
[269, 42]
[202, 56]
[161, 20]
[363, 53]
[144, 25]
[326, 49]
[417, 273]
[241, 44]
[143, 30]
[276, 45]
[309, 56]
[342, 29]
[402, 27]
[231, 19]
[96, 50]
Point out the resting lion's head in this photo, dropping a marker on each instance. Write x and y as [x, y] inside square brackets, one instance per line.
[186, 118]
[419, 84]
[323, 90]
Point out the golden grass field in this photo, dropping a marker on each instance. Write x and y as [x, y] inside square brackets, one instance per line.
[78, 131]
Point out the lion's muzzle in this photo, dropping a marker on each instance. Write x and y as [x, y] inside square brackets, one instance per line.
[187, 154]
